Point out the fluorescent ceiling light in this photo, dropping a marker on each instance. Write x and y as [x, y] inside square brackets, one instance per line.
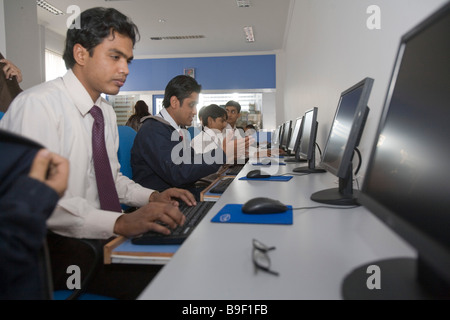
[249, 37]
[243, 3]
[50, 8]
[178, 37]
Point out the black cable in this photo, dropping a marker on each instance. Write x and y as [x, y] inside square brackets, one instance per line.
[359, 164]
[320, 151]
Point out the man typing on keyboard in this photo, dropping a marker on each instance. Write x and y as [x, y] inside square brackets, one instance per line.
[68, 116]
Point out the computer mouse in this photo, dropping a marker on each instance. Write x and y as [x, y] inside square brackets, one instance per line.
[263, 205]
[257, 174]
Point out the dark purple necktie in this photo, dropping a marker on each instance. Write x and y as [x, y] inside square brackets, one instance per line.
[107, 193]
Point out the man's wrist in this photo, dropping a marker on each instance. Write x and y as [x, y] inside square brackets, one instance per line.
[153, 196]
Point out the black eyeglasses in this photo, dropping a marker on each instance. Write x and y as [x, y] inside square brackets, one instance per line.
[261, 259]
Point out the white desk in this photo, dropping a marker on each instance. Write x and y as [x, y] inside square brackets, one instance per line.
[312, 256]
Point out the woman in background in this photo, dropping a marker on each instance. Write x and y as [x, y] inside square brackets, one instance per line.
[140, 111]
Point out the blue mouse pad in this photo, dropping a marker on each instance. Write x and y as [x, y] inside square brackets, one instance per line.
[232, 213]
[272, 178]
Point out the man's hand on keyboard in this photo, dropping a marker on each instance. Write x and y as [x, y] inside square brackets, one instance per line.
[174, 193]
[147, 217]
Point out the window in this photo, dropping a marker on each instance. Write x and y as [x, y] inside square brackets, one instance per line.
[54, 65]
[251, 105]
[250, 102]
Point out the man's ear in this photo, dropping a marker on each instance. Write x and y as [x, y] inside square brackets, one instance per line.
[80, 54]
[174, 102]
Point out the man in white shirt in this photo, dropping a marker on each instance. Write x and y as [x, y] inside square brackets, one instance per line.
[233, 109]
[58, 115]
[214, 119]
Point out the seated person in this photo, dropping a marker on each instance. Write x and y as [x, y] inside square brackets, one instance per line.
[10, 77]
[161, 156]
[28, 176]
[140, 111]
[233, 109]
[69, 116]
[249, 129]
[214, 119]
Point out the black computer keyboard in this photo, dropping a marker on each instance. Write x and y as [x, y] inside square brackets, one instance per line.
[234, 170]
[221, 186]
[193, 217]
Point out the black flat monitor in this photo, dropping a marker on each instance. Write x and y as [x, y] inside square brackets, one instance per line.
[345, 134]
[307, 148]
[276, 137]
[407, 181]
[286, 135]
[294, 142]
[280, 135]
[295, 135]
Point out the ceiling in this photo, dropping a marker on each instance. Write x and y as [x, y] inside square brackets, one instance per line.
[221, 22]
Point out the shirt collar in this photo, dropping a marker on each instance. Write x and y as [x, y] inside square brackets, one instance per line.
[78, 93]
[230, 127]
[166, 116]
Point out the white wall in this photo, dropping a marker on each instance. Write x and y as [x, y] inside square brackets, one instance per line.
[2, 29]
[329, 48]
[24, 40]
[54, 41]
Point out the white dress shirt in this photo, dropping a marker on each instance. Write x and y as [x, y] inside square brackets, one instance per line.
[56, 114]
[233, 133]
[207, 140]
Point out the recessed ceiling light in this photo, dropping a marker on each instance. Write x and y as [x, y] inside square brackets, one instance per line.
[50, 8]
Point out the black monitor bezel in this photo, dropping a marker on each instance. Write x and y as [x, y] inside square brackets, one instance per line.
[286, 135]
[312, 138]
[276, 136]
[430, 250]
[295, 138]
[355, 132]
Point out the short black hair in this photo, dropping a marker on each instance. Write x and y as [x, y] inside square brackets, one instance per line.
[213, 111]
[96, 24]
[181, 87]
[200, 113]
[235, 104]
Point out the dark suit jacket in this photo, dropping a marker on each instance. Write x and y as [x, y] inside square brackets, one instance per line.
[155, 157]
[25, 205]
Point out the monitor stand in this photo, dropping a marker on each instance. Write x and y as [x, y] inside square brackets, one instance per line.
[311, 168]
[398, 281]
[344, 195]
[334, 196]
[294, 160]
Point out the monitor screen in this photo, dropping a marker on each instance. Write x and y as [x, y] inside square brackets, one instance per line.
[407, 182]
[286, 134]
[344, 136]
[307, 148]
[276, 136]
[295, 136]
[347, 128]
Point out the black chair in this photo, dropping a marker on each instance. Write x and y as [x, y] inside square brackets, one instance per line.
[96, 248]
